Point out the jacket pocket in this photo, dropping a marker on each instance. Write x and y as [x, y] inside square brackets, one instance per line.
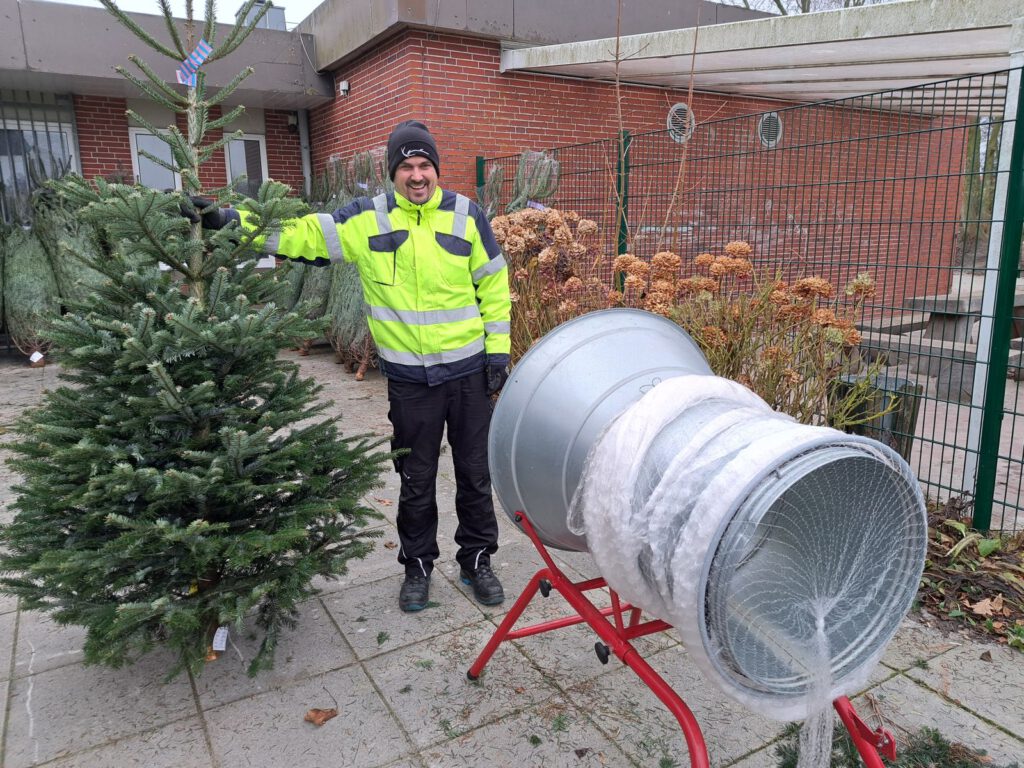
[384, 262]
[454, 255]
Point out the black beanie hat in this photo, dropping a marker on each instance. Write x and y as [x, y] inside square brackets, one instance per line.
[410, 138]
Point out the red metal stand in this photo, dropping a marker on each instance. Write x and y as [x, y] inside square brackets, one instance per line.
[619, 623]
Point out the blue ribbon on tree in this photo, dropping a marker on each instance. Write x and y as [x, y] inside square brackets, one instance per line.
[186, 73]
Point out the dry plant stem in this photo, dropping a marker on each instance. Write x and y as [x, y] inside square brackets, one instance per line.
[681, 176]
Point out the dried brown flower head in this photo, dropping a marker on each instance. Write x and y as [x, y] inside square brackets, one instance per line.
[738, 249]
[622, 263]
[586, 227]
[824, 317]
[809, 287]
[614, 298]
[693, 285]
[573, 286]
[548, 258]
[713, 336]
[704, 260]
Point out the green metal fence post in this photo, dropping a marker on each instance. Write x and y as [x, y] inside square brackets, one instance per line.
[1009, 257]
[622, 189]
[481, 162]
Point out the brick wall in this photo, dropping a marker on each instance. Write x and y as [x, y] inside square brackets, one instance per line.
[453, 83]
[284, 150]
[103, 136]
[856, 189]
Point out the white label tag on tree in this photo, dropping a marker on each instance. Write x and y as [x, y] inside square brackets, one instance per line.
[220, 639]
[35, 357]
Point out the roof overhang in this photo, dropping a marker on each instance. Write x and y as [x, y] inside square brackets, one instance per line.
[804, 58]
[61, 48]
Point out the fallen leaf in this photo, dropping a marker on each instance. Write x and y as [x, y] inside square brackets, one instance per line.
[383, 502]
[320, 716]
[390, 544]
[983, 607]
[986, 656]
[519, 689]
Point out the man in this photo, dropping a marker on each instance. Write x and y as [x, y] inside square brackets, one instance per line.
[437, 300]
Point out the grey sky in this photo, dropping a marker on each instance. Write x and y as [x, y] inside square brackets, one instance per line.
[294, 10]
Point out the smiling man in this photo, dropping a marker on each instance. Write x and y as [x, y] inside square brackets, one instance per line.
[437, 302]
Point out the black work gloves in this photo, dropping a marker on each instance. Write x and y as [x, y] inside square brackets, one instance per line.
[497, 375]
[215, 218]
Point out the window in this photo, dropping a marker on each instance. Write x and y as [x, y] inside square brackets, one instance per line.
[247, 157]
[30, 153]
[147, 172]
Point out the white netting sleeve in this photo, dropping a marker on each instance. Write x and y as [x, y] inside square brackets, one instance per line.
[700, 472]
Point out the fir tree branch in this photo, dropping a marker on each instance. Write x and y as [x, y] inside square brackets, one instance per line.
[159, 132]
[206, 152]
[149, 90]
[228, 89]
[158, 81]
[142, 219]
[231, 116]
[165, 8]
[241, 30]
[138, 31]
[159, 161]
[210, 29]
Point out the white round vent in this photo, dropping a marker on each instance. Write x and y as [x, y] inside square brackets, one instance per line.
[769, 129]
[680, 123]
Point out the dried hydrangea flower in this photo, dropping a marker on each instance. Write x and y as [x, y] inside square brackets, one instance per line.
[704, 260]
[809, 287]
[713, 336]
[862, 286]
[738, 249]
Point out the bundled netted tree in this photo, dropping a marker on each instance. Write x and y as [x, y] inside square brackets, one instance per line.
[364, 175]
[184, 477]
[30, 292]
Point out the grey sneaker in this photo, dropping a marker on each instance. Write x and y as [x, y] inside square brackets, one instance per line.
[414, 593]
[486, 587]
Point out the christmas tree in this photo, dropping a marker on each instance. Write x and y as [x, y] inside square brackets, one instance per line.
[183, 477]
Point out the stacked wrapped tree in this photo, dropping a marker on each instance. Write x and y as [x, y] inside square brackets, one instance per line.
[29, 293]
[185, 478]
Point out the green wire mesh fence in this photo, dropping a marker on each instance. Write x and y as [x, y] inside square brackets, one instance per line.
[922, 187]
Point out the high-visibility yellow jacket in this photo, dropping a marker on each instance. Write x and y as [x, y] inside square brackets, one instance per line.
[435, 284]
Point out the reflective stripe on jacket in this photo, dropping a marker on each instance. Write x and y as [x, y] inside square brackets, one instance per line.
[434, 280]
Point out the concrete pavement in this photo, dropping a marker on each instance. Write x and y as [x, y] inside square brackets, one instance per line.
[399, 680]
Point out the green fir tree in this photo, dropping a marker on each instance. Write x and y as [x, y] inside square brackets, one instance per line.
[184, 477]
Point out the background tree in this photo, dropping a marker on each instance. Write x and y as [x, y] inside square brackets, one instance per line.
[183, 477]
[788, 7]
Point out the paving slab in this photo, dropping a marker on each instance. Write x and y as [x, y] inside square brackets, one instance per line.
[176, 745]
[975, 677]
[906, 706]
[44, 644]
[372, 623]
[916, 644]
[427, 687]
[553, 734]
[315, 646]
[631, 715]
[269, 729]
[62, 711]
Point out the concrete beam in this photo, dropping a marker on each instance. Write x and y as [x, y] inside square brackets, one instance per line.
[343, 30]
[74, 49]
[900, 21]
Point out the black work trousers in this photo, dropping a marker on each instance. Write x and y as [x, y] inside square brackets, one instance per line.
[419, 413]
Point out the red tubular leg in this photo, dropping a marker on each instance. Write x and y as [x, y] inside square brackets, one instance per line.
[867, 741]
[507, 623]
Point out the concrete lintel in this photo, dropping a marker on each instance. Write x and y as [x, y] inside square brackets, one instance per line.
[76, 48]
[903, 20]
